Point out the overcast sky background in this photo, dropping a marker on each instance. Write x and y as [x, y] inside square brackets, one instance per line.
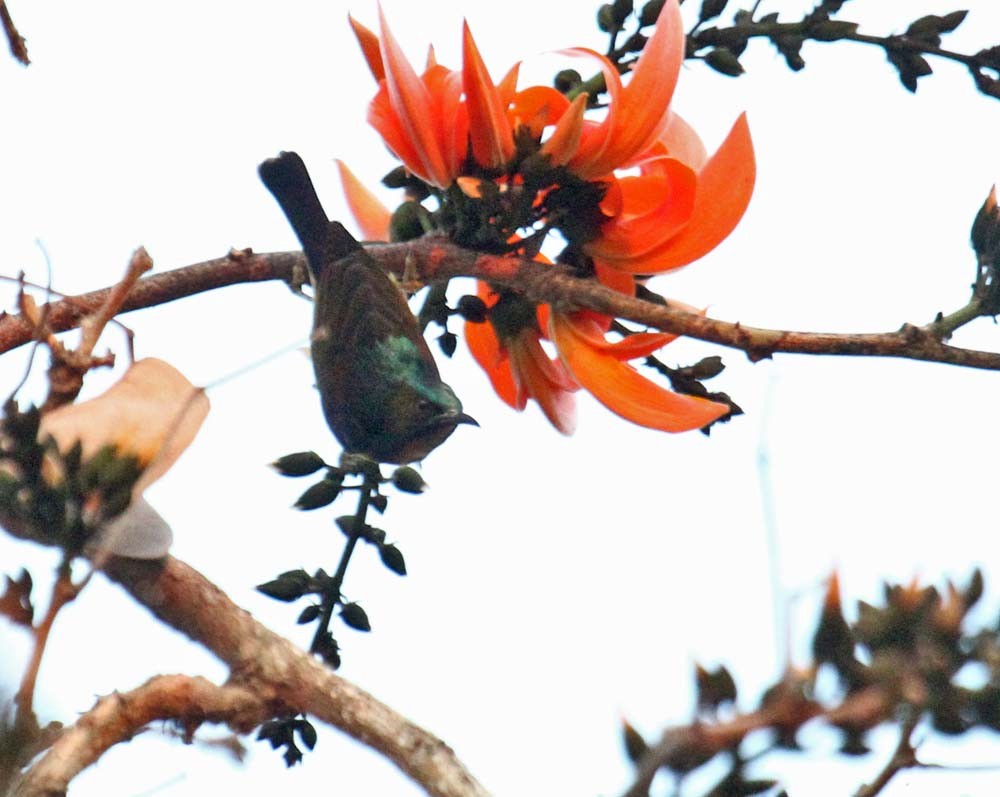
[556, 584]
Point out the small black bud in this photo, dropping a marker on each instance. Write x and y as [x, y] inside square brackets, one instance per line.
[471, 308]
[321, 494]
[308, 614]
[567, 80]
[408, 480]
[355, 617]
[307, 733]
[621, 10]
[406, 223]
[650, 12]
[606, 18]
[350, 526]
[710, 9]
[289, 586]
[302, 463]
[724, 62]
[447, 342]
[393, 559]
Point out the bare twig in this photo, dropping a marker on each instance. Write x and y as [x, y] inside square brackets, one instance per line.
[70, 366]
[15, 40]
[903, 757]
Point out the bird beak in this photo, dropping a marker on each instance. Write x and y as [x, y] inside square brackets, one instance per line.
[463, 418]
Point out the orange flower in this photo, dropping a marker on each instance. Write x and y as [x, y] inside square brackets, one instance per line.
[600, 368]
[567, 172]
[509, 350]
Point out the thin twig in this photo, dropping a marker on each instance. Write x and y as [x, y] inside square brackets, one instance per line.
[903, 757]
[70, 366]
[63, 591]
[15, 40]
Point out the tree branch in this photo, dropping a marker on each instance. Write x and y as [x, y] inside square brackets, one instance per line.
[684, 747]
[438, 260]
[120, 716]
[270, 677]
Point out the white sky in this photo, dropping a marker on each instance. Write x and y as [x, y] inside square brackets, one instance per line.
[555, 584]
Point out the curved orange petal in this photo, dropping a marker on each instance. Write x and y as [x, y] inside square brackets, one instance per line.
[629, 236]
[592, 327]
[445, 88]
[485, 349]
[537, 107]
[492, 358]
[489, 130]
[644, 105]
[623, 390]
[383, 118]
[369, 48]
[544, 380]
[612, 202]
[507, 87]
[413, 107]
[565, 139]
[614, 278]
[725, 185]
[683, 143]
[595, 138]
[371, 215]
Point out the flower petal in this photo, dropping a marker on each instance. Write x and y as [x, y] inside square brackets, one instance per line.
[507, 87]
[565, 139]
[596, 138]
[490, 134]
[544, 380]
[445, 88]
[614, 278]
[414, 110]
[536, 108]
[725, 185]
[645, 101]
[683, 143]
[665, 204]
[486, 350]
[623, 390]
[369, 48]
[371, 215]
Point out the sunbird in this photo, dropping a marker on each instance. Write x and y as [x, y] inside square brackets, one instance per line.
[380, 388]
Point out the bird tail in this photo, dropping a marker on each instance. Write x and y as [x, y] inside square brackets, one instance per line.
[323, 241]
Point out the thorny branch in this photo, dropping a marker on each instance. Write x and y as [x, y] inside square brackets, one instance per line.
[437, 260]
